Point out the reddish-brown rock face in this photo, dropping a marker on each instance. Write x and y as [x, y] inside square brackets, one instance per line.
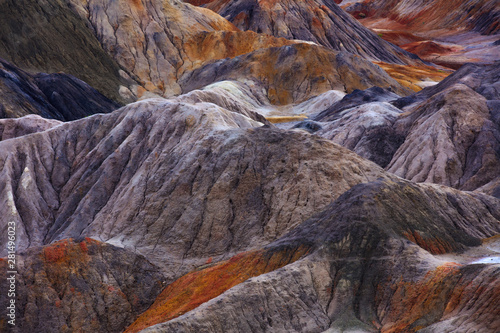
[420, 15]
[82, 285]
[448, 33]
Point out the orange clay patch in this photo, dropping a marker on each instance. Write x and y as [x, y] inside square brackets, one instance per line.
[433, 245]
[427, 48]
[285, 119]
[411, 76]
[137, 4]
[64, 251]
[467, 293]
[412, 301]
[398, 37]
[209, 46]
[198, 287]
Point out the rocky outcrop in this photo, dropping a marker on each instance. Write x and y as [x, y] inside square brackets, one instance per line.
[156, 42]
[80, 285]
[356, 276]
[196, 214]
[166, 48]
[56, 96]
[245, 98]
[363, 122]
[46, 36]
[177, 182]
[356, 98]
[209, 49]
[318, 21]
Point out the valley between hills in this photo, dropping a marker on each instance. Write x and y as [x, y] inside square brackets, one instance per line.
[250, 166]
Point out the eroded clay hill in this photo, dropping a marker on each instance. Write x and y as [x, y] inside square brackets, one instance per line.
[224, 218]
[385, 257]
[180, 183]
[446, 134]
[318, 21]
[167, 48]
[470, 15]
[177, 182]
[81, 285]
[196, 214]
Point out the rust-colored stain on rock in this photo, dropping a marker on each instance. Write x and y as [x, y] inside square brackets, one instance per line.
[196, 288]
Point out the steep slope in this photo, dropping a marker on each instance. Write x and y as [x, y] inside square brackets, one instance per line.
[356, 275]
[362, 121]
[206, 283]
[456, 127]
[157, 41]
[176, 182]
[83, 285]
[446, 134]
[367, 130]
[56, 96]
[318, 21]
[161, 47]
[46, 36]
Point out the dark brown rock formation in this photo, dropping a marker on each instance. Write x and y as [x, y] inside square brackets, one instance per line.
[57, 96]
[46, 36]
[83, 285]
